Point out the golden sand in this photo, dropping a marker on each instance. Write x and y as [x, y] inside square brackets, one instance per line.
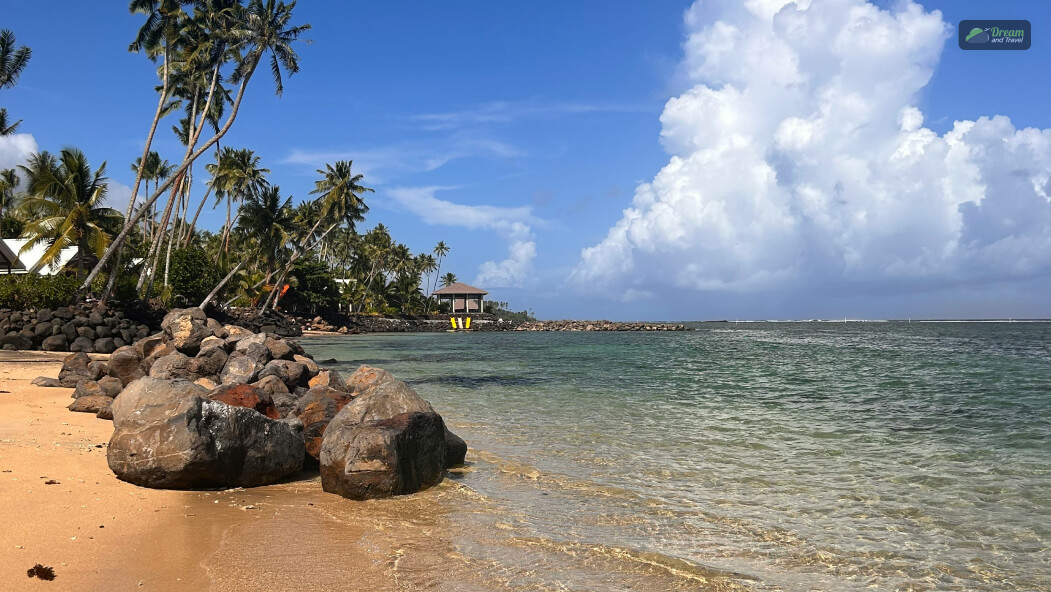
[62, 507]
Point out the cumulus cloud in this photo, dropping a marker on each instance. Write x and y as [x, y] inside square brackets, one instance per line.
[798, 157]
[514, 224]
[15, 149]
[117, 196]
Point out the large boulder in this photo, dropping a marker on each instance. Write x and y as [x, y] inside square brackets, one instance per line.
[126, 364]
[381, 396]
[395, 456]
[168, 435]
[316, 409]
[247, 396]
[186, 328]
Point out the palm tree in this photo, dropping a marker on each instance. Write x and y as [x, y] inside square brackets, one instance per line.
[339, 200]
[70, 196]
[12, 61]
[440, 251]
[269, 221]
[449, 279]
[236, 176]
[261, 28]
[8, 181]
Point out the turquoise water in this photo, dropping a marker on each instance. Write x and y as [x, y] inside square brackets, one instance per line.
[847, 456]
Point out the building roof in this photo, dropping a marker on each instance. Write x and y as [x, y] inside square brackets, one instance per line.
[459, 288]
[9, 258]
[30, 260]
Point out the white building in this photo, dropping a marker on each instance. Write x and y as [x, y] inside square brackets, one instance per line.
[14, 261]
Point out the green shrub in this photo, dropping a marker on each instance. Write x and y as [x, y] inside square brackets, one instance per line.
[313, 291]
[192, 274]
[30, 290]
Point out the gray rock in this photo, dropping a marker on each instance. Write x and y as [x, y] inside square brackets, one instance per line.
[328, 378]
[279, 349]
[55, 343]
[176, 439]
[395, 456]
[82, 344]
[126, 364]
[88, 388]
[240, 369]
[104, 345]
[47, 381]
[186, 328]
[103, 331]
[97, 369]
[289, 372]
[111, 386]
[244, 341]
[17, 341]
[209, 362]
[212, 342]
[87, 332]
[75, 369]
[310, 368]
[91, 404]
[257, 353]
[173, 366]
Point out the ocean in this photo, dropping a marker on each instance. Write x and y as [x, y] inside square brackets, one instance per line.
[752, 456]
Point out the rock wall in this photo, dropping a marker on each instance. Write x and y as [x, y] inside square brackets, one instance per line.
[69, 328]
[597, 326]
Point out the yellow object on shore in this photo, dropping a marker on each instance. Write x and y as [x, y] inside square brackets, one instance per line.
[468, 323]
[453, 321]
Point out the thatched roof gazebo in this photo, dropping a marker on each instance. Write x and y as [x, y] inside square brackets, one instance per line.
[462, 298]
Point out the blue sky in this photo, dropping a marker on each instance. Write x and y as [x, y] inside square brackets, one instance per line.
[519, 133]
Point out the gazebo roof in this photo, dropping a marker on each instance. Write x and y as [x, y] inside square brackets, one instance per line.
[459, 288]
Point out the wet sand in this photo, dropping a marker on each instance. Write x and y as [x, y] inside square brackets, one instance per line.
[62, 507]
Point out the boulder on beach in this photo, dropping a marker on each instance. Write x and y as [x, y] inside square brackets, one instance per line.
[247, 396]
[366, 453]
[168, 435]
[91, 404]
[126, 364]
[395, 456]
[75, 369]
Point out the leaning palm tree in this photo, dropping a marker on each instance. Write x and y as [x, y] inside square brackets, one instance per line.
[261, 29]
[440, 251]
[12, 61]
[235, 176]
[449, 279]
[340, 200]
[70, 196]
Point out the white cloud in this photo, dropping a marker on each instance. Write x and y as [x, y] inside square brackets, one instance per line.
[117, 196]
[798, 157]
[514, 224]
[15, 149]
[513, 272]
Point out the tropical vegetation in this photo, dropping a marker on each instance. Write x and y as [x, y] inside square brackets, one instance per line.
[307, 255]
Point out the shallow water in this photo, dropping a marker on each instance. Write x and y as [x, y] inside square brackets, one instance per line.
[807, 456]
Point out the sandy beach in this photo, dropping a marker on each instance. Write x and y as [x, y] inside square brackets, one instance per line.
[62, 507]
